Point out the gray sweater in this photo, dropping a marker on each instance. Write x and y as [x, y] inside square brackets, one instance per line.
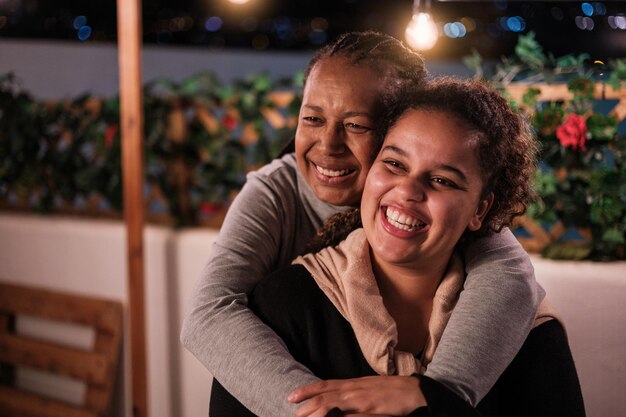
[267, 226]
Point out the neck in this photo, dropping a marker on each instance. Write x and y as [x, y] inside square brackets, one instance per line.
[408, 292]
[411, 282]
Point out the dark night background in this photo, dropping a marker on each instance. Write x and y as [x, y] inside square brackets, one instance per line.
[305, 24]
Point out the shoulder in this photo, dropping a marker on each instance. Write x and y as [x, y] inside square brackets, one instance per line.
[270, 191]
[279, 172]
[546, 342]
[542, 380]
[545, 352]
[276, 184]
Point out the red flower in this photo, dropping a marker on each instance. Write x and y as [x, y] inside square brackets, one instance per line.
[229, 122]
[573, 132]
[208, 209]
[109, 135]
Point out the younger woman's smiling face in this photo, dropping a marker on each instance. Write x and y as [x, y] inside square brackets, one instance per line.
[424, 189]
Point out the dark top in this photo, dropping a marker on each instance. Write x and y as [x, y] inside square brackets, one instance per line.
[540, 382]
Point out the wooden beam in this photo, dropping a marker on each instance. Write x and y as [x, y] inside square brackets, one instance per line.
[7, 371]
[131, 106]
[553, 92]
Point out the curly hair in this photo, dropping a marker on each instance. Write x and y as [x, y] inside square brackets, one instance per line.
[335, 229]
[507, 148]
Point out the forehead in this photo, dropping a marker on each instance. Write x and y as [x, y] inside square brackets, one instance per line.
[440, 126]
[339, 73]
[434, 134]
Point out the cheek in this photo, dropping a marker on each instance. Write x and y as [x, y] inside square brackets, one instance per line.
[457, 214]
[300, 138]
[365, 150]
[375, 186]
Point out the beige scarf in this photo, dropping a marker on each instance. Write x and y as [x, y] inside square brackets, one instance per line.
[344, 274]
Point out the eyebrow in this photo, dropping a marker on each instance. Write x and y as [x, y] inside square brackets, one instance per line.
[347, 114]
[445, 167]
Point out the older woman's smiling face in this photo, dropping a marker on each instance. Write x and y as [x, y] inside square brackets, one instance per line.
[335, 140]
[424, 189]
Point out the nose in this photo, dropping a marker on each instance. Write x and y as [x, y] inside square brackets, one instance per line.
[411, 189]
[332, 139]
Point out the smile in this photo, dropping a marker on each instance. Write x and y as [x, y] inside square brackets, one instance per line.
[332, 172]
[403, 221]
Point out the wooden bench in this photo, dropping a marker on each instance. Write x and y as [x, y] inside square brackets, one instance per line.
[96, 367]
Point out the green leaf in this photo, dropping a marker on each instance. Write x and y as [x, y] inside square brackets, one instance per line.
[605, 210]
[530, 97]
[262, 83]
[530, 52]
[567, 250]
[614, 81]
[602, 127]
[581, 87]
[545, 183]
[547, 119]
[474, 62]
[298, 79]
[189, 86]
[614, 236]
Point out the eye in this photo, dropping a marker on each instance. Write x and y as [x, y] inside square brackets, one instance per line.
[312, 119]
[443, 183]
[394, 165]
[356, 128]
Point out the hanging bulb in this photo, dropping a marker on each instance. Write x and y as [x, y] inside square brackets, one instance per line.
[422, 32]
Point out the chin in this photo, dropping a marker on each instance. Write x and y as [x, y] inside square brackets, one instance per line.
[338, 200]
[336, 197]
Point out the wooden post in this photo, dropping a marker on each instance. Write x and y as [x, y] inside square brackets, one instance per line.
[131, 108]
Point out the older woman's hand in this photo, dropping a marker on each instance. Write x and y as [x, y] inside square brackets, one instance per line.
[380, 395]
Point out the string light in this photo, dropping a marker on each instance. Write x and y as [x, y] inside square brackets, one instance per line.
[421, 32]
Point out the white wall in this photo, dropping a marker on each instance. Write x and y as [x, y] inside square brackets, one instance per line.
[592, 300]
[65, 69]
[88, 257]
[53, 70]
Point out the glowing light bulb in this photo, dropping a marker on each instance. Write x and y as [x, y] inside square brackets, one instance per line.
[239, 1]
[422, 32]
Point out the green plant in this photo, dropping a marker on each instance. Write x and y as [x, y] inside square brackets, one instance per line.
[582, 177]
[201, 137]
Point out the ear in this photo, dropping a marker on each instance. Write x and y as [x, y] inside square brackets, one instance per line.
[481, 211]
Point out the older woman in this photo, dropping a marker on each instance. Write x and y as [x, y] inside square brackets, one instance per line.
[455, 163]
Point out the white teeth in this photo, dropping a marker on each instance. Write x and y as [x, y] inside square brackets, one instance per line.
[402, 221]
[330, 172]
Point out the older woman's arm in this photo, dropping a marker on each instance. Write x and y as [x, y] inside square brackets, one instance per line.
[492, 318]
[258, 235]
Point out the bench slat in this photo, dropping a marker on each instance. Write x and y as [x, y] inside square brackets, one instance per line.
[101, 314]
[87, 366]
[15, 403]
